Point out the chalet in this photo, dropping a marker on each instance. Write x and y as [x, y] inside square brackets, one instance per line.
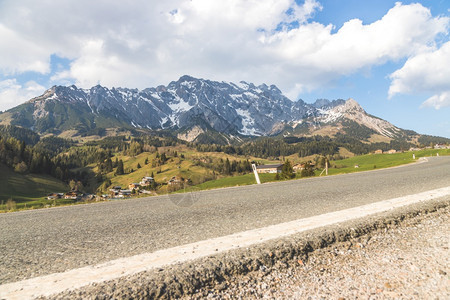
[269, 168]
[74, 195]
[132, 186]
[175, 180]
[53, 196]
[302, 166]
[147, 181]
[124, 193]
[298, 167]
[119, 193]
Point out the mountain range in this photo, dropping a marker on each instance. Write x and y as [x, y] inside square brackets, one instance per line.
[191, 107]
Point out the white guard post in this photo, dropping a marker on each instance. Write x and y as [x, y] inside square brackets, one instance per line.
[256, 174]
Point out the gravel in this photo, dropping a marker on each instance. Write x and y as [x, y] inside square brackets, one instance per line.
[400, 254]
[411, 261]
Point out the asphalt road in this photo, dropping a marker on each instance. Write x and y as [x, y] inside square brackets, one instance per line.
[34, 243]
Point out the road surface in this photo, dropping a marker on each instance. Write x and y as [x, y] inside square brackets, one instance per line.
[39, 242]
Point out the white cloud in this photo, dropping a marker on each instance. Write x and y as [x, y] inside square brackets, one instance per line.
[147, 43]
[438, 101]
[425, 72]
[13, 94]
[18, 55]
[403, 31]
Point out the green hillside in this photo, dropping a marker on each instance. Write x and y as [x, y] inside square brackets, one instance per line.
[29, 189]
[188, 164]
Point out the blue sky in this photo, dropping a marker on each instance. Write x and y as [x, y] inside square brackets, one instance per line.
[392, 57]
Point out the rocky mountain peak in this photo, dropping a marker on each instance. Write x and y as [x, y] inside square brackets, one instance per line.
[351, 105]
[241, 108]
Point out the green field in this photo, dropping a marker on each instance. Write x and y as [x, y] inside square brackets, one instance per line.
[379, 161]
[233, 181]
[364, 163]
[27, 191]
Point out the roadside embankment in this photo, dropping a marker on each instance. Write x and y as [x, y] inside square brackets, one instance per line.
[399, 253]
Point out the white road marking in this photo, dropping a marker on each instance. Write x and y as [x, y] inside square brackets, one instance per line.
[77, 278]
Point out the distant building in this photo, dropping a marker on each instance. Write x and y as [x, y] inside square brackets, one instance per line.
[119, 193]
[132, 186]
[302, 166]
[175, 180]
[379, 151]
[298, 167]
[73, 195]
[147, 181]
[124, 193]
[53, 196]
[392, 151]
[269, 168]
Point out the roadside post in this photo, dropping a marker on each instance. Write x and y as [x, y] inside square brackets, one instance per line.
[256, 174]
[326, 167]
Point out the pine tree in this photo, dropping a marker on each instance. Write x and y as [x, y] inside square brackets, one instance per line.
[227, 167]
[109, 165]
[120, 170]
[287, 172]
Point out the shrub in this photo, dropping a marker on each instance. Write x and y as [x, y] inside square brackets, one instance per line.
[11, 204]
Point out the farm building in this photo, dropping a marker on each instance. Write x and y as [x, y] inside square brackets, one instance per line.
[147, 181]
[269, 168]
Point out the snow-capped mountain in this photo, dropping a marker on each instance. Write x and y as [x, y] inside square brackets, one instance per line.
[185, 105]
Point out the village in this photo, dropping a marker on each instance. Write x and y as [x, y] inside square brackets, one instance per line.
[146, 186]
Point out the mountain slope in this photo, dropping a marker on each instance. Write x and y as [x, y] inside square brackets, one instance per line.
[193, 107]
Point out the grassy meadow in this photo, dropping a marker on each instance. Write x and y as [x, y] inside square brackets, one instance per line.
[19, 191]
[379, 161]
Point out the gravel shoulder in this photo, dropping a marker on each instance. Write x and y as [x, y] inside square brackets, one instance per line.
[399, 254]
[409, 261]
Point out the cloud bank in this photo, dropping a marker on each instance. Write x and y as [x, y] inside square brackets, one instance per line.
[148, 43]
[425, 72]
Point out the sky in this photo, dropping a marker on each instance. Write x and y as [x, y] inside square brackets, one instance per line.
[392, 57]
